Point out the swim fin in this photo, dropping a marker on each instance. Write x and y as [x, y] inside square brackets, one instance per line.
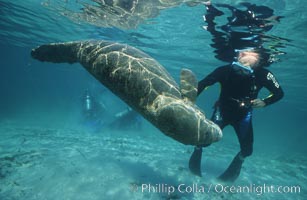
[195, 161]
[234, 169]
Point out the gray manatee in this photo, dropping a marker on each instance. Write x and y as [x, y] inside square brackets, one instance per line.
[143, 84]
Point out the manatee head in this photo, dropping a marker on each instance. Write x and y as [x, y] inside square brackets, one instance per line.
[185, 122]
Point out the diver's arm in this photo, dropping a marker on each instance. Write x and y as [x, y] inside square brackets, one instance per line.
[216, 76]
[271, 83]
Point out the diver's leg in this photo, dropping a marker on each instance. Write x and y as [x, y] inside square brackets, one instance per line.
[244, 132]
[245, 135]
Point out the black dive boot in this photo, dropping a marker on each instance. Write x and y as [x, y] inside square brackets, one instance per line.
[195, 161]
[233, 171]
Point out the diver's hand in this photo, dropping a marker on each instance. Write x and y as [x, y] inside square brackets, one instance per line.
[258, 103]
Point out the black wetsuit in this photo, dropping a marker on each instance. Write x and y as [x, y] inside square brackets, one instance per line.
[240, 85]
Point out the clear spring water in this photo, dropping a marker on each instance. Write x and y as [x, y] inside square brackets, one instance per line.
[46, 154]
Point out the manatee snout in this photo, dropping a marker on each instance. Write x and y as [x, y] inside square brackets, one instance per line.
[187, 125]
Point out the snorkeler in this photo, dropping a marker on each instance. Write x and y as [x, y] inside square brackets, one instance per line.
[92, 112]
[241, 80]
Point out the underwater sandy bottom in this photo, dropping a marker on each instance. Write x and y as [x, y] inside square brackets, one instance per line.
[63, 164]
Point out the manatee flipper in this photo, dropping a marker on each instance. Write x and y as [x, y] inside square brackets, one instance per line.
[188, 85]
[195, 161]
[233, 171]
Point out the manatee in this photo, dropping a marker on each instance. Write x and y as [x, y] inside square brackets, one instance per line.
[143, 84]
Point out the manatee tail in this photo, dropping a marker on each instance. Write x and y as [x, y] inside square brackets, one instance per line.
[195, 161]
[56, 52]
